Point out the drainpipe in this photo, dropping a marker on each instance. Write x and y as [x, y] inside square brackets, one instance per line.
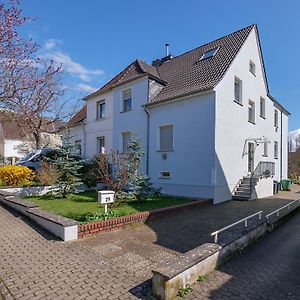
[281, 146]
[148, 132]
[84, 138]
[148, 137]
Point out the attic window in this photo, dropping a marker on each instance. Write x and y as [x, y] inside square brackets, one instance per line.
[209, 53]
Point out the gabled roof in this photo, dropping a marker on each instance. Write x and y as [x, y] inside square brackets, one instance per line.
[78, 117]
[135, 70]
[186, 73]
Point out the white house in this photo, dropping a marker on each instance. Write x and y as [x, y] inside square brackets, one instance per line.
[210, 127]
[14, 144]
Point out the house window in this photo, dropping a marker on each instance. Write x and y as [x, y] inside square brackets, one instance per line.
[265, 149]
[209, 53]
[126, 137]
[101, 144]
[127, 100]
[101, 109]
[252, 67]
[262, 107]
[276, 118]
[165, 174]
[238, 90]
[77, 146]
[275, 149]
[251, 112]
[166, 138]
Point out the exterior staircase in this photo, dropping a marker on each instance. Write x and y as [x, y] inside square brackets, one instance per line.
[244, 188]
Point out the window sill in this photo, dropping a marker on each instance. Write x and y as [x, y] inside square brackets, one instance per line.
[252, 73]
[239, 103]
[263, 117]
[125, 111]
[251, 122]
[164, 177]
[264, 155]
[275, 157]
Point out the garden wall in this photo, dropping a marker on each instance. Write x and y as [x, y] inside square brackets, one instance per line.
[86, 230]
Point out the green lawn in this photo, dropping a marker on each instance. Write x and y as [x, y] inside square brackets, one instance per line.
[78, 206]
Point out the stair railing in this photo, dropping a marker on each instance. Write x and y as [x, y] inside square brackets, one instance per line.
[264, 169]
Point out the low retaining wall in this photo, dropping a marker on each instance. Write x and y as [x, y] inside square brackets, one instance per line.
[62, 227]
[169, 278]
[86, 230]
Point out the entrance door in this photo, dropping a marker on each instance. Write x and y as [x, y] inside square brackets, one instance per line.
[250, 157]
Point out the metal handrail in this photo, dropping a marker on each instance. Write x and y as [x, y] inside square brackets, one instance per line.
[216, 233]
[260, 171]
[277, 211]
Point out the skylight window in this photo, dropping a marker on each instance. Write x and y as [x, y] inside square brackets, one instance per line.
[209, 53]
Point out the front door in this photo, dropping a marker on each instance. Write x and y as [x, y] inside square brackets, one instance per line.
[250, 157]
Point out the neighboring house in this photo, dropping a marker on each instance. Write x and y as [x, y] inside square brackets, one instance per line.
[13, 145]
[206, 119]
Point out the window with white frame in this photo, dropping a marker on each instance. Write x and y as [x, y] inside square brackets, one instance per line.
[126, 100]
[275, 117]
[165, 174]
[275, 149]
[101, 109]
[100, 144]
[238, 90]
[166, 137]
[262, 112]
[251, 112]
[77, 146]
[265, 149]
[252, 67]
[126, 137]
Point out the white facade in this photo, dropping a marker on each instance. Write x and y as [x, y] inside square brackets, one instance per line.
[211, 131]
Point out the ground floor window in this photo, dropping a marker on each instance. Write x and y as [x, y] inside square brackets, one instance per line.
[101, 144]
[78, 148]
[275, 149]
[165, 174]
[126, 137]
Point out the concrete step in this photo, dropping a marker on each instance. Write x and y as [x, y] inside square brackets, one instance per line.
[241, 198]
[244, 188]
[242, 194]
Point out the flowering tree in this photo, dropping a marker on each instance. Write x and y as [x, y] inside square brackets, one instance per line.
[30, 89]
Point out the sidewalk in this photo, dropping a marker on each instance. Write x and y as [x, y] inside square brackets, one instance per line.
[112, 265]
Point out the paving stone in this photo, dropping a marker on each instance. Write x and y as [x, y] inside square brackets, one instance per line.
[117, 265]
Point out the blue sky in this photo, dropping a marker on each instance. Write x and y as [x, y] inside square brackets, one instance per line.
[96, 39]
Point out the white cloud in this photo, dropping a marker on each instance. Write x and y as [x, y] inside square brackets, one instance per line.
[52, 50]
[86, 88]
[52, 43]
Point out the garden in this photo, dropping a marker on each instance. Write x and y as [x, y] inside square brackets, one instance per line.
[72, 184]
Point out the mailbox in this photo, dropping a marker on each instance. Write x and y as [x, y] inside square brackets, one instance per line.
[106, 197]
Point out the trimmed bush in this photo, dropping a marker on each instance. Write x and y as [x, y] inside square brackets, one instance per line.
[16, 175]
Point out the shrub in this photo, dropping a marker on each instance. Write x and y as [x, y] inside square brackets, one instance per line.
[16, 175]
[68, 165]
[88, 173]
[48, 173]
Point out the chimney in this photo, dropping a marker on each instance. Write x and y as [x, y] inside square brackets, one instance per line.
[158, 62]
[167, 49]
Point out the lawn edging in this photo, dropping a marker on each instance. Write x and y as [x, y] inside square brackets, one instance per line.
[87, 230]
[62, 227]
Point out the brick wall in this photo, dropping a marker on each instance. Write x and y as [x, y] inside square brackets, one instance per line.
[86, 230]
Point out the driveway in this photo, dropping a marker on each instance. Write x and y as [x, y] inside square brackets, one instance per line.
[112, 265]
